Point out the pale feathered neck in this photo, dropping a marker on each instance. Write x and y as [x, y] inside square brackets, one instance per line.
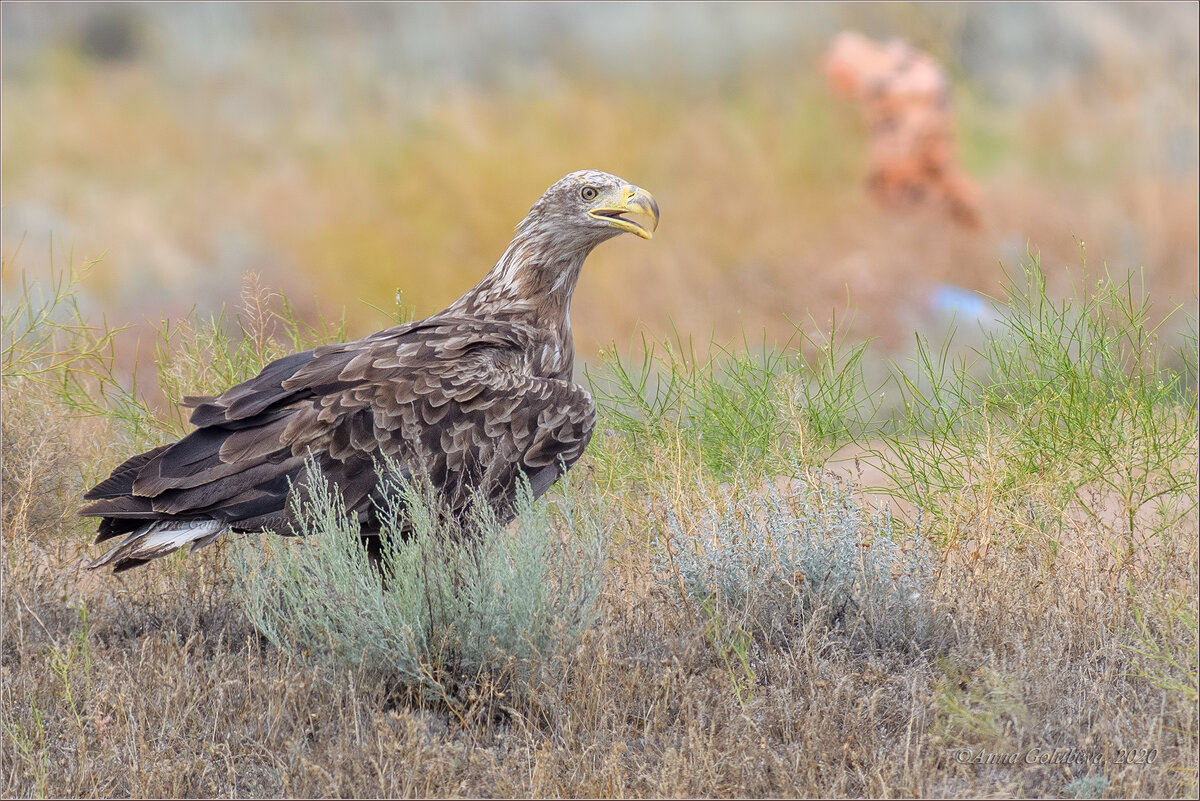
[534, 280]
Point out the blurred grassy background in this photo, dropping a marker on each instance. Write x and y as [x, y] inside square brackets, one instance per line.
[347, 151]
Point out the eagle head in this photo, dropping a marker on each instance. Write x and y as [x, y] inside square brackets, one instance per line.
[592, 206]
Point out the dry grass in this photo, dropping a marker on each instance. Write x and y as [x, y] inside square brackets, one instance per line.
[154, 684]
[164, 691]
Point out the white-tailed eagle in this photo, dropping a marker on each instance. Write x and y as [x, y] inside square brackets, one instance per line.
[472, 398]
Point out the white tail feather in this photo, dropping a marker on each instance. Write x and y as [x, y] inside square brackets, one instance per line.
[161, 538]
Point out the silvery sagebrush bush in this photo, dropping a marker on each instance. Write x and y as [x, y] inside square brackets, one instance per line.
[777, 558]
[457, 598]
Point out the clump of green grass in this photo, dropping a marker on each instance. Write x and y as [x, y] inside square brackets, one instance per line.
[1059, 406]
[1062, 398]
[49, 343]
[731, 411]
[457, 601]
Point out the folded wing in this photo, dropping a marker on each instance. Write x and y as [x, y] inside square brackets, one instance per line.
[450, 398]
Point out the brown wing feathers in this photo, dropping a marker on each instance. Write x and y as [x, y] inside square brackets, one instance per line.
[446, 404]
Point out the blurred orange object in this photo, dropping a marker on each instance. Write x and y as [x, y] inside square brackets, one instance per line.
[905, 97]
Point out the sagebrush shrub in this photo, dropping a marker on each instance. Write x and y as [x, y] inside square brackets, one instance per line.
[457, 599]
[772, 560]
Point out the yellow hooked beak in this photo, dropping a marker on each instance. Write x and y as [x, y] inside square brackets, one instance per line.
[628, 200]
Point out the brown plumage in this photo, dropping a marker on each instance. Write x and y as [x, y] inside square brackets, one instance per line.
[471, 397]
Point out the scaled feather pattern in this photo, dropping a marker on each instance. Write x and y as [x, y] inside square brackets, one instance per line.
[470, 399]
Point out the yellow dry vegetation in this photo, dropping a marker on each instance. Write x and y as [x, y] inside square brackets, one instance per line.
[765, 217]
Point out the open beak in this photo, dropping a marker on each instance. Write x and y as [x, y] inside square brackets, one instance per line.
[634, 201]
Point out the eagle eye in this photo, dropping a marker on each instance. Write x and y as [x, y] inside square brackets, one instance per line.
[588, 193]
